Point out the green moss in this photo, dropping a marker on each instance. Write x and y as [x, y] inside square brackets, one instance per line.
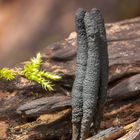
[7, 74]
[32, 72]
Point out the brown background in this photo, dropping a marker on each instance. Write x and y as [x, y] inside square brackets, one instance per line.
[28, 25]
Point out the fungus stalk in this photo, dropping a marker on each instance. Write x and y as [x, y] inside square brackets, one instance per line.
[77, 99]
[90, 85]
[92, 77]
[104, 62]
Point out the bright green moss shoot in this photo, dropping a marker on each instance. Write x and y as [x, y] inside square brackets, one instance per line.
[32, 72]
[7, 74]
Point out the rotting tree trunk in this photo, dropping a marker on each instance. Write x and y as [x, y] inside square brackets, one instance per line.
[123, 101]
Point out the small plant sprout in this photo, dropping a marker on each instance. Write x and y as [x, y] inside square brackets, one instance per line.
[7, 74]
[32, 72]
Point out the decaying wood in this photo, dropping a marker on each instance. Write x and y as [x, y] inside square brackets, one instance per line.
[113, 113]
[127, 88]
[52, 127]
[45, 105]
[123, 104]
[109, 134]
[134, 134]
[31, 130]
[112, 133]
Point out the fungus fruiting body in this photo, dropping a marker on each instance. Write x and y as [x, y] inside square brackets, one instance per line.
[77, 100]
[91, 81]
[90, 85]
[96, 14]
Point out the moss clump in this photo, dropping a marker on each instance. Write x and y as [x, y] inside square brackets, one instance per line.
[32, 72]
[7, 74]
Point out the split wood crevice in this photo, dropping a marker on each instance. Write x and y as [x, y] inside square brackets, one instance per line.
[123, 99]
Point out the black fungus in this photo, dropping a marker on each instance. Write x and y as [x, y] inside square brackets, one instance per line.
[90, 85]
[97, 16]
[77, 100]
[92, 77]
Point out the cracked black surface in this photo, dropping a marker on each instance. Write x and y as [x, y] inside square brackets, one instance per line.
[77, 100]
[104, 62]
[91, 81]
[90, 85]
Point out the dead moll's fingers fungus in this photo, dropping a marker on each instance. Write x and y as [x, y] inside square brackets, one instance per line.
[77, 101]
[97, 16]
[90, 85]
[92, 77]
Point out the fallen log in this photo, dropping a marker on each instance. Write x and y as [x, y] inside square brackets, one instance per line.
[37, 130]
[124, 90]
[113, 112]
[123, 102]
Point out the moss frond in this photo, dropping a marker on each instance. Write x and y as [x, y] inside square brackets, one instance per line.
[32, 72]
[50, 76]
[7, 74]
[36, 61]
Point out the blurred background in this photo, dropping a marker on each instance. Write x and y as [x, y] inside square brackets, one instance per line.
[26, 26]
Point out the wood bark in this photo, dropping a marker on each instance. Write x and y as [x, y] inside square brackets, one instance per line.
[134, 133]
